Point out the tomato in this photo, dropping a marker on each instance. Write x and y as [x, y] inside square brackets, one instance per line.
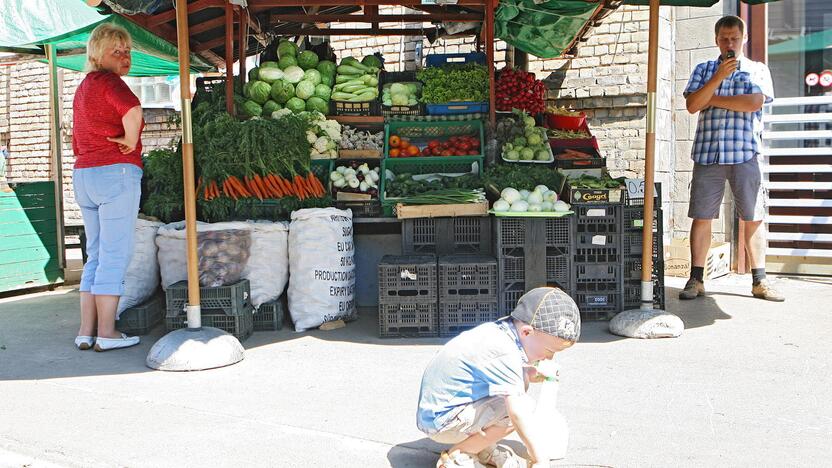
[447, 153]
[404, 143]
[394, 152]
[427, 151]
[452, 140]
[475, 143]
[437, 151]
[395, 141]
[473, 153]
[433, 144]
[447, 145]
[413, 150]
[464, 146]
[460, 153]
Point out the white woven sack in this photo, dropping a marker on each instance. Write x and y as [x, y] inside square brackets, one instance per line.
[646, 324]
[267, 269]
[321, 267]
[142, 276]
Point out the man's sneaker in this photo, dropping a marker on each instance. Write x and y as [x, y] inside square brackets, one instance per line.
[500, 456]
[764, 290]
[458, 460]
[693, 289]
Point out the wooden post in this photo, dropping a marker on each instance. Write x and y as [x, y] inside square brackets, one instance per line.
[229, 58]
[243, 46]
[56, 160]
[490, 5]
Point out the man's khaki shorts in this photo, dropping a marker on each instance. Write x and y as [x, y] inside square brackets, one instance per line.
[708, 188]
[472, 418]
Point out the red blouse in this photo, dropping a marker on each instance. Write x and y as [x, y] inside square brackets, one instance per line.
[100, 102]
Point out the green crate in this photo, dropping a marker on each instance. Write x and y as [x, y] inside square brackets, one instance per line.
[426, 165]
[269, 316]
[139, 320]
[234, 299]
[420, 133]
[241, 326]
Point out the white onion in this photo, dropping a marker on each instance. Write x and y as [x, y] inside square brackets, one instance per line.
[546, 206]
[535, 208]
[542, 188]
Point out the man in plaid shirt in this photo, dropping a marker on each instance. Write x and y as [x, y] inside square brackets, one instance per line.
[729, 94]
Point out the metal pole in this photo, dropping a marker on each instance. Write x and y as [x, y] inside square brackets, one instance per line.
[649, 160]
[56, 159]
[229, 58]
[193, 307]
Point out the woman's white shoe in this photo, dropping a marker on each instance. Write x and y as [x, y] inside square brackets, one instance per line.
[106, 344]
[84, 342]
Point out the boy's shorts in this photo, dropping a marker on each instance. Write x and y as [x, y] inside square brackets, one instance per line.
[472, 418]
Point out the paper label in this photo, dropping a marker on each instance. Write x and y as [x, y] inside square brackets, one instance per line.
[595, 212]
[599, 240]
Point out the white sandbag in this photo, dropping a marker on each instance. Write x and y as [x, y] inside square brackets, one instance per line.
[141, 279]
[646, 324]
[321, 267]
[223, 250]
[553, 426]
[267, 269]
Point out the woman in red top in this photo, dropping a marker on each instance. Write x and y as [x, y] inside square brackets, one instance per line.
[107, 124]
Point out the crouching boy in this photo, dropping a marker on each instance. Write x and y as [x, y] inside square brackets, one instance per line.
[473, 392]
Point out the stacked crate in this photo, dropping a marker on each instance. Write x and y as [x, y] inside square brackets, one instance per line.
[532, 252]
[269, 316]
[141, 319]
[228, 308]
[597, 260]
[408, 301]
[467, 292]
[632, 224]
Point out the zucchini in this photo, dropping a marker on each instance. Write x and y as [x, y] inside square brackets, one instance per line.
[355, 88]
[344, 78]
[350, 70]
[339, 96]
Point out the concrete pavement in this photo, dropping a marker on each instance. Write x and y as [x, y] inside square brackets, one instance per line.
[748, 384]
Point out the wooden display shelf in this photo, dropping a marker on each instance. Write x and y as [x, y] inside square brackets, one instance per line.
[357, 119]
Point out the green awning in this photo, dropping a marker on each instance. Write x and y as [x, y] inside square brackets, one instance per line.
[693, 3]
[814, 41]
[542, 29]
[67, 26]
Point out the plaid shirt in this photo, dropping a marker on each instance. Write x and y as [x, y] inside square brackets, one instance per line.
[724, 136]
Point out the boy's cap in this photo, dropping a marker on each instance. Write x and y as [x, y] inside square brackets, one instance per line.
[550, 310]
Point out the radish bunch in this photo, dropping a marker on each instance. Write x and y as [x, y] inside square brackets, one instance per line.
[517, 89]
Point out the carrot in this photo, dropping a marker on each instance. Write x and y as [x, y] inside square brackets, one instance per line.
[198, 187]
[229, 189]
[287, 189]
[278, 190]
[215, 192]
[311, 188]
[301, 186]
[254, 188]
[264, 189]
[239, 187]
[316, 184]
[225, 189]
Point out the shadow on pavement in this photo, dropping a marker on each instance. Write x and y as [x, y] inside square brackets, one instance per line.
[415, 454]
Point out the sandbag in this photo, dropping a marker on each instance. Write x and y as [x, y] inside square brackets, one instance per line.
[141, 280]
[321, 267]
[223, 250]
[646, 324]
[267, 269]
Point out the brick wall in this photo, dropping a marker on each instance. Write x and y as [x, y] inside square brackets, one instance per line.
[25, 126]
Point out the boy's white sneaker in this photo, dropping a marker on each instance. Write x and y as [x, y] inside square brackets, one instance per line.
[500, 456]
[458, 460]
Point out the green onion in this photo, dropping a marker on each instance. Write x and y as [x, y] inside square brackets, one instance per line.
[444, 197]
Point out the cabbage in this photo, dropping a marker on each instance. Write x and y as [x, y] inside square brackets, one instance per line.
[542, 188]
[317, 104]
[520, 206]
[286, 48]
[296, 105]
[399, 99]
[305, 89]
[561, 206]
[524, 194]
[326, 67]
[259, 91]
[287, 62]
[270, 75]
[269, 65]
[252, 109]
[535, 198]
[252, 74]
[399, 88]
[328, 80]
[282, 91]
[270, 106]
[312, 75]
[510, 195]
[501, 205]
[307, 59]
[372, 61]
[293, 74]
[323, 91]
[246, 88]
[413, 88]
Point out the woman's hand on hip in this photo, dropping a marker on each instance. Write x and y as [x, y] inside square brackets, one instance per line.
[125, 145]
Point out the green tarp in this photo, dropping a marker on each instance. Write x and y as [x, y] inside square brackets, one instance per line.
[544, 30]
[693, 3]
[815, 41]
[66, 24]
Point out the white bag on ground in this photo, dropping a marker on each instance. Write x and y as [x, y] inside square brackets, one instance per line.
[321, 267]
[646, 324]
[223, 250]
[267, 269]
[141, 279]
[554, 428]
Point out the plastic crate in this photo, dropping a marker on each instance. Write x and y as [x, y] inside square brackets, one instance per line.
[457, 317]
[609, 254]
[632, 295]
[510, 293]
[366, 108]
[597, 272]
[233, 299]
[562, 162]
[427, 165]
[471, 278]
[361, 209]
[407, 278]
[408, 320]
[558, 268]
[420, 133]
[269, 316]
[437, 60]
[598, 300]
[399, 77]
[633, 244]
[632, 269]
[520, 232]
[446, 236]
[639, 201]
[632, 219]
[139, 320]
[241, 326]
[597, 240]
[457, 107]
[597, 219]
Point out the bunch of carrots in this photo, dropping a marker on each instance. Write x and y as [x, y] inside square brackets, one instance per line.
[270, 186]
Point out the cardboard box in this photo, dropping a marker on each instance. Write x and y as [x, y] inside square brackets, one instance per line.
[677, 259]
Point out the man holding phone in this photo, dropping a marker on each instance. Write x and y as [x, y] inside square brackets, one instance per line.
[729, 94]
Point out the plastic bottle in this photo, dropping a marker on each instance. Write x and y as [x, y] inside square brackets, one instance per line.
[552, 422]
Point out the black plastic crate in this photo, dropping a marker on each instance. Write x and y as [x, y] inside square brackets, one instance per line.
[520, 232]
[597, 219]
[457, 317]
[361, 209]
[598, 300]
[632, 219]
[407, 278]
[365, 108]
[633, 244]
[657, 197]
[557, 264]
[233, 299]
[408, 320]
[597, 272]
[447, 236]
[467, 277]
[270, 315]
[241, 326]
[597, 255]
[632, 294]
[586, 240]
[139, 320]
[510, 293]
[632, 269]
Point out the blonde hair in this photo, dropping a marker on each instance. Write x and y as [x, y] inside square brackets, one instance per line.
[103, 36]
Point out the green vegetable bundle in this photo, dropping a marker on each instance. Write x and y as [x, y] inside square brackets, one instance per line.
[590, 182]
[403, 185]
[501, 176]
[356, 81]
[448, 83]
[165, 196]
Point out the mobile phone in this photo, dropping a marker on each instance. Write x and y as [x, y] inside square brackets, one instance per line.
[730, 54]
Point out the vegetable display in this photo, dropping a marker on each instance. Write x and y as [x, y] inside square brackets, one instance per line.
[463, 145]
[293, 82]
[165, 194]
[356, 177]
[517, 89]
[524, 141]
[355, 81]
[448, 83]
[568, 134]
[404, 185]
[401, 94]
[539, 200]
[498, 177]
[354, 139]
[590, 182]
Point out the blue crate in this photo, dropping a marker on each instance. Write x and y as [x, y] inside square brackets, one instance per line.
[437, 60]
[454, 108]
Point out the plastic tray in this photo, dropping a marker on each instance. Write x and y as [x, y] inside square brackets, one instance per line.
[269, 316]
[519, 231]
[460, 107]
[437, 60]
[596, 161]
[420, 133]
[141, 319]
[233, 299]
[241, 326]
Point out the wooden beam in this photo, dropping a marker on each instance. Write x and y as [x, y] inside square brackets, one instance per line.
[291, 31]
[207, 45]
[207, 25]
[229, 59]
[308, 3]
[243, 42]
[170, 15]
[168, 33]
[361, 18]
